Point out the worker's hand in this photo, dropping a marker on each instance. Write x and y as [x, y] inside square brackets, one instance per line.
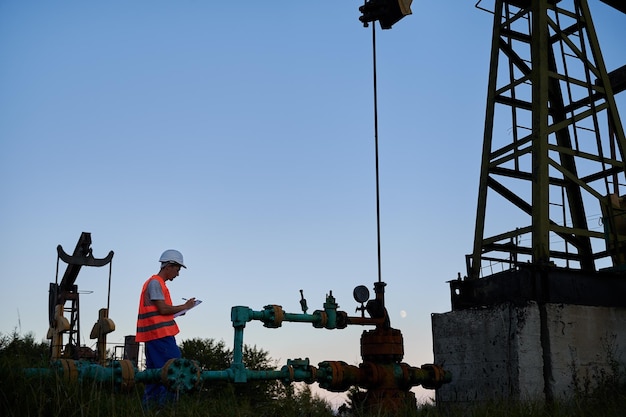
[190, 303]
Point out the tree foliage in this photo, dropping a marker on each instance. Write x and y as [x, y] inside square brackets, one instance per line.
[212, 355]
[23, 350]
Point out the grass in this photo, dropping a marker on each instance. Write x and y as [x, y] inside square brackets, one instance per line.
[22, 396]
[52, 397]
[604, 395]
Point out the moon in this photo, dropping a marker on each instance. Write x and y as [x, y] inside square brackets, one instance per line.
[402, 313]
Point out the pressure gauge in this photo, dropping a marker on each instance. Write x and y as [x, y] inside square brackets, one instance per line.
[361, 294]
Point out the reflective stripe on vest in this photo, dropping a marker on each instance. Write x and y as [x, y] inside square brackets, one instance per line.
[150, 324]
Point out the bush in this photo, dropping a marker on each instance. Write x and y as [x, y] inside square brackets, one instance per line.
[23, 350]
[212, 355]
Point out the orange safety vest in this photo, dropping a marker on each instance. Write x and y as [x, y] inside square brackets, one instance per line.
[150, 324]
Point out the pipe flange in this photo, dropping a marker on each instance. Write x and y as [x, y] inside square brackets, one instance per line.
[322, 319]
[68, 369]
[288, 374]
[124, 374]
[276, 318]
[406, 375]
[181, 375]
[279, 316]
[437, 376]
[342, 319]
[313, 378]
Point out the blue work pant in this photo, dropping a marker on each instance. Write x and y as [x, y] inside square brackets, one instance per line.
[158, 352]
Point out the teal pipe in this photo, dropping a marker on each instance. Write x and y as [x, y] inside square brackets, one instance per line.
[38, 372]
[181, 374]
[148, 376]
[186, 375]
[240, 315]
[303, 318]
[273, 315]
[84, 370]
[72, 370]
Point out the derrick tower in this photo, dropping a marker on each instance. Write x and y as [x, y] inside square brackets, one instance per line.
[553, 148]
[546, 277]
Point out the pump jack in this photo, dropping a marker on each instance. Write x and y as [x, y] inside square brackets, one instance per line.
[67, 292]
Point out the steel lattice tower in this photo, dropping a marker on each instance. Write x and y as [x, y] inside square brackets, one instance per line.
[553, 149]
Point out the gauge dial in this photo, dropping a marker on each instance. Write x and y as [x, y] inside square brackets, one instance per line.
[361, 294]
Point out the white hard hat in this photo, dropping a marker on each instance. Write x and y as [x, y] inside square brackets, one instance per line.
[172, 256]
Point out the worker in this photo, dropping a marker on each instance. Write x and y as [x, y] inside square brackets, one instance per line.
[155, 323]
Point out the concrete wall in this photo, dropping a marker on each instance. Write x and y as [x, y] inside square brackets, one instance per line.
[497, 352]
[585, 344]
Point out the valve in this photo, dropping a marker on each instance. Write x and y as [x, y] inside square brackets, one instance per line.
[330, 307]
[303, 302]
[299, 370]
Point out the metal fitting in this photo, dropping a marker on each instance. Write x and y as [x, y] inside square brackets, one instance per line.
[181, 374]
[273, 317]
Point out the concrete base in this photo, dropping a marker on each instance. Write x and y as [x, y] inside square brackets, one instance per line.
[527, 352]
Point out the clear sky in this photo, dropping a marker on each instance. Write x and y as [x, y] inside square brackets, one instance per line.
[241, 134]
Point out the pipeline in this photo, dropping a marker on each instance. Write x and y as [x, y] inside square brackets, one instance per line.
[185, 375]
[387, 379]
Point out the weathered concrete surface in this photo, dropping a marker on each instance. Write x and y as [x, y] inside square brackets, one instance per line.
[498, 352]
[586, 344]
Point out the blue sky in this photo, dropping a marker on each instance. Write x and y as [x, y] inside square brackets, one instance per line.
[241, 133]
